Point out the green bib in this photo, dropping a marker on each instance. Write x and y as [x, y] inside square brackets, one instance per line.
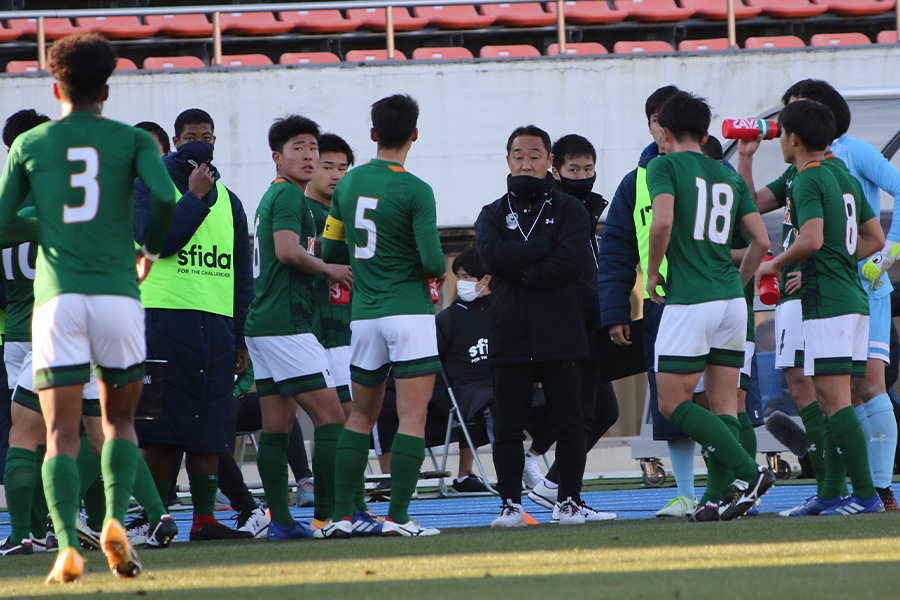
[200, 276]
[643, 216]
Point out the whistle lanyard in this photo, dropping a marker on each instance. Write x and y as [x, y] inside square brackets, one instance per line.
[536, 219]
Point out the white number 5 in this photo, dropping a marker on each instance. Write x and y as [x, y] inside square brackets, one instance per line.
[86, 180]
[368, 225]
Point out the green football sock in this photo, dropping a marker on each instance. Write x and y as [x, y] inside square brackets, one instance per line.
[117, 460]
[349, 465]
[145, 492]
[95, 504]
[712, 433]
[88, 464]
[851, 445]
[360, 500]
[203, 493]
[272, 464]
[407, 454]
[326, 439]
[814, 422]
[39, 510]
[835, 471]
[19, 480]
[719, 477]
[61, 485]
[747, 434]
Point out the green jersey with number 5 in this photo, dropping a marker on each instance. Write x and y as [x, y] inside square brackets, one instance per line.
[710, 200]
[81, 171]
[831, 284]
[389, 221]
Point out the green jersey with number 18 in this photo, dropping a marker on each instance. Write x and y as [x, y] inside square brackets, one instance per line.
[710, 200]
[81, 171]
[388, 218]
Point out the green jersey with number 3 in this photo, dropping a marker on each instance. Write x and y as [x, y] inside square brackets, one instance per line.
[710, 200]
[81, 171]
[331, 322]
[390, 224]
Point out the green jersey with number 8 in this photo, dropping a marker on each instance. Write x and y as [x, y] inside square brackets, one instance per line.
[388, 218]
[81, 171]
[710, 200]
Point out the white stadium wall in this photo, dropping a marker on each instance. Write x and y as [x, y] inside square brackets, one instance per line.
[467, 109]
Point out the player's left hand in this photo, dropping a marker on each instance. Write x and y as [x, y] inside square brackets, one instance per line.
[766, 268]
[143, 266]
[241, 360]
[440, 280]
[655, 280]
[879, 263]
[794, 282]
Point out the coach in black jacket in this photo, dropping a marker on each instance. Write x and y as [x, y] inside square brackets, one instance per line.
[533, 242]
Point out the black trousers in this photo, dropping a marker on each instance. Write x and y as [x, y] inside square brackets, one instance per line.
[513, 390]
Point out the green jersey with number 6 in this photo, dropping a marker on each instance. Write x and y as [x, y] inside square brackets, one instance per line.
[285, 297]
[81, 171]
[830, 281]
[388, 218]
[710, 199]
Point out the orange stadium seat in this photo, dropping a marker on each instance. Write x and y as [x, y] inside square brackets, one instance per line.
[319, 21]
[22, 66]
[461, 16]
[252, 23]
[173, 62]
[695, 45]
[519, 15]
[195, 25]
[718, 10]
[125, 64]
[857, 7]
[588, 11]
[773, 41]
[579, 49]
[307, 58]
[54, 28]
[653, 10]
[371, 55]
[448, 53]
[788, 8]
[375, 18]
[887, 37]
[839, 39]
[639, 47]
[8, 35]
[509, 51]
[116, 27]
[246, 60]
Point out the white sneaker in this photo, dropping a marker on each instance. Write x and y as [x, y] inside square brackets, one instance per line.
[568, 512]
[511, 515]
[408, 529]
[87, 536]
[255, 521]
[532, 475]
[678, 507]
[47, 543]
[592, 514]
[544, 495]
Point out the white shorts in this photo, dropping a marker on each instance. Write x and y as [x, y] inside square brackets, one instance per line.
[694, 335]
[14, 354]
[289, 364]
[744, 384]
[24, 394]
[339, 363]
[408, 342]
[72, 330]
[836, 346]
[789, 335]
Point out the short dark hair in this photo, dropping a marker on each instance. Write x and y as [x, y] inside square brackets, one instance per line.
[470, 261]
[81, 64]
[291, 126]
[712, 148]
[330, 142]
[658, 98]
[394, 119]
[571, 146]
[158, 132]
[20, 122]
[685, 115]
[823, 93]
[192, 116]
[810, 121]
[528, 130]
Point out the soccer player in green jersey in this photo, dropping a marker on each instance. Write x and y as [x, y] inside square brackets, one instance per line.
[697, 202]
[834, 225]
[290, 364]
[383, 221]
[80, 170]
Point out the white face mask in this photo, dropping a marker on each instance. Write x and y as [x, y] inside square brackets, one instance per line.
[467, 290]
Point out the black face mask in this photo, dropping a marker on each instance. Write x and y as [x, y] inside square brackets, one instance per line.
[527, 189]
[195, 153]
[580, 188]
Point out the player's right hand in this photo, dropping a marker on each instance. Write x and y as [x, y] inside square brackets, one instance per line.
[143, 266]
[620, 334]
[653, 281]
[749, 147]
[201, 180]
[339, 274]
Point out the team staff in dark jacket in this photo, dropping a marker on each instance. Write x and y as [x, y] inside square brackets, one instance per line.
[195, 318]
[533, 241]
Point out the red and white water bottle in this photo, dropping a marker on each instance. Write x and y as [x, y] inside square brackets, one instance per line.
[338, 294]
[768, 287]
[749, 129]
[433, 288]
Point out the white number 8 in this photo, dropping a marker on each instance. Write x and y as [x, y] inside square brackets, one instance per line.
[86, 180]
[851, 236]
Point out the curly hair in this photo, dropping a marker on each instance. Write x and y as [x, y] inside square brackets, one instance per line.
[81, 64]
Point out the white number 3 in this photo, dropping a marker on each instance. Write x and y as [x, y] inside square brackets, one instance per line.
[86, 180]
